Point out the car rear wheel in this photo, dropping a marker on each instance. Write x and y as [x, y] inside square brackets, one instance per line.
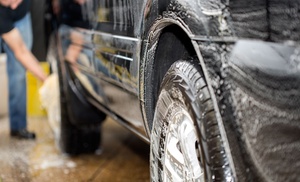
[186, 144]
[81, 138]
[74, 140]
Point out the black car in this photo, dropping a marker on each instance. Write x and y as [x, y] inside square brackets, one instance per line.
[212, 85]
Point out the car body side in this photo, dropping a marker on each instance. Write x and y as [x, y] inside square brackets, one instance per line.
[250, 68]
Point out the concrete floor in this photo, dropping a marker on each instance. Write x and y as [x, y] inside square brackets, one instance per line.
[124, 157]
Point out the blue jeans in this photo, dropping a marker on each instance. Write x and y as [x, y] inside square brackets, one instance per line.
[17, 77]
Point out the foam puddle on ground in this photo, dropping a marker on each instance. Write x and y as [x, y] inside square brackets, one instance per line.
[54, 162]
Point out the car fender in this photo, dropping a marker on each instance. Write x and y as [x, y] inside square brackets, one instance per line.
[205, 18]
[268, 71]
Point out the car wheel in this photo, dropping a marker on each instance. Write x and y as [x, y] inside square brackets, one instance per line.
[73, 139]
[186, 144]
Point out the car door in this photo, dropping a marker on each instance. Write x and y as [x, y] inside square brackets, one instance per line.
[117, 26]
[76, 37]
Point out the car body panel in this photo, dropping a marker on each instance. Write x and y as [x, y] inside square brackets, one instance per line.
[110, 68]
[112, 46]
[119, 37]
[277, 72]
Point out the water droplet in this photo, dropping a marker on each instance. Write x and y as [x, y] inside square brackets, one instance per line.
[223, 107]
[221, 82]
[201, 96]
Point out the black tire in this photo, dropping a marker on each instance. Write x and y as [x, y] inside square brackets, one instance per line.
[184, 102]
[76, 139]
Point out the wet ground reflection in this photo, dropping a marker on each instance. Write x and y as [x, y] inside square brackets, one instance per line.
[123, 157]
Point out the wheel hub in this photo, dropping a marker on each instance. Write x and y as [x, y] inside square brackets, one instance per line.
[181, 162]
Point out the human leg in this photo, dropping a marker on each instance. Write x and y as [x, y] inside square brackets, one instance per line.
[17, 82]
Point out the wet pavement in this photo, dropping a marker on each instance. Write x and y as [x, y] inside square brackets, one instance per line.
[123, 157]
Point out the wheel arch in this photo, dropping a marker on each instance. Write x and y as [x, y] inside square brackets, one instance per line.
[168, 41]
[153, 70]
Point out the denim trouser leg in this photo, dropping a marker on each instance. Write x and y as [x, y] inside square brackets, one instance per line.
[17, 78]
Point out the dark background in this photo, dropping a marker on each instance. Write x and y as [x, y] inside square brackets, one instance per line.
[41, 27]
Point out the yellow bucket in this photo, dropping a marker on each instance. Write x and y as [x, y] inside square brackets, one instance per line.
[34, 107]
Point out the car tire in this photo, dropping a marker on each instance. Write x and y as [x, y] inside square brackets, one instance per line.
[186, 144]
[73, 139]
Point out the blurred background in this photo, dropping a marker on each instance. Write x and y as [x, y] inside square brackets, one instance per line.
[123, 157]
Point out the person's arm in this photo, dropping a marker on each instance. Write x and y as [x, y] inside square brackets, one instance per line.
[14, 40]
